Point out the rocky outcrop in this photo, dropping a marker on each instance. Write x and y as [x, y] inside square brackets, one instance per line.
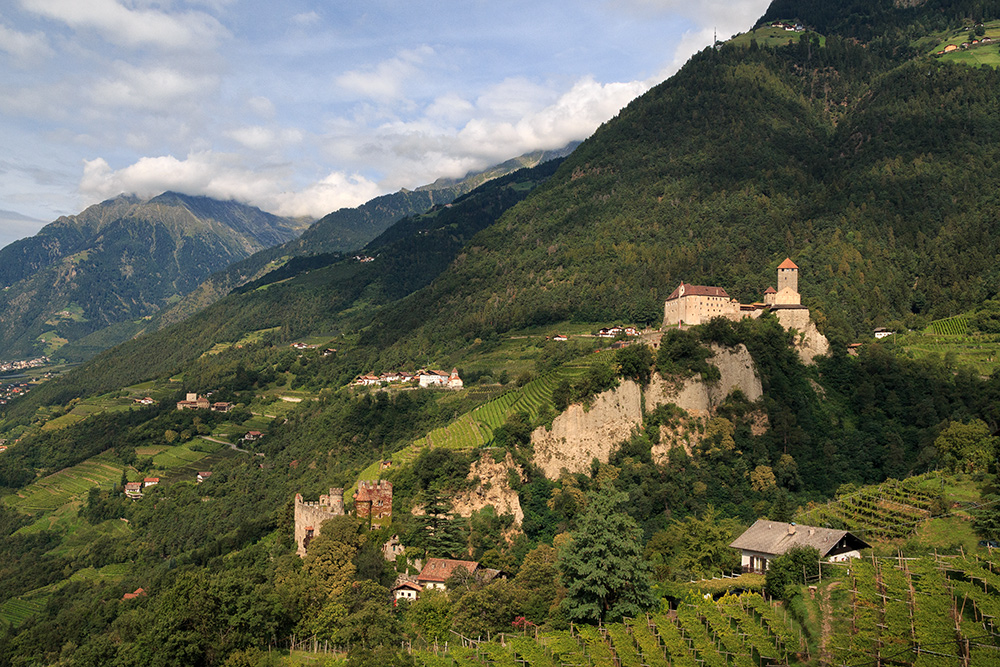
[581, 435]
[809, 342]
[695, 396]
[493, 489]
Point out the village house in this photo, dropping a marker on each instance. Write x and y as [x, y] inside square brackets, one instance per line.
[222, 406]
[251, 436]
[202, 476]
[407, 590]
[432, 378]
[766, 540]
[882, 332]
[438, 570]
[194, 402]
[133, 490]
[150, 481]
[144, 401]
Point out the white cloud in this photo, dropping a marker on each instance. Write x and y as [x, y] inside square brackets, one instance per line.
[260, 138]
[25, 48]
[499, 126]
[306, 19]
[334, 192]
[226, 176]
[158, 88]
[385, 81]
[132, 27]
[261, 106]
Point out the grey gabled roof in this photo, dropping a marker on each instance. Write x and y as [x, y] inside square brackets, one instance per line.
[775, 537]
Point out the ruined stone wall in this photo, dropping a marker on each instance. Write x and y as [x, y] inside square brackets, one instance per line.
[309, 517]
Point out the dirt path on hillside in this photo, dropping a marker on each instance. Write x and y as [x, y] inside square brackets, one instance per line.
[826, 624]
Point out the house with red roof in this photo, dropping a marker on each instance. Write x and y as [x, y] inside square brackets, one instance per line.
[438, 570]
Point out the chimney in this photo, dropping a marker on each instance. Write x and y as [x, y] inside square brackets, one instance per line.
[791, 529]
[812, 531]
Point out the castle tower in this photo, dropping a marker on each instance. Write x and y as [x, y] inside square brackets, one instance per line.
[333, 502]
[309, 517]
[788, 284]
[373, 500]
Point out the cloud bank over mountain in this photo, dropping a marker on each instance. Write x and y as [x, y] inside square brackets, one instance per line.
[307, 107]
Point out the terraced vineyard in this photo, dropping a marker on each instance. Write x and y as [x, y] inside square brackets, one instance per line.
[889, 510]
[16, 611]
[59, 488]
[743, 631]
[475, 429]
[931, 611]
[952, 326]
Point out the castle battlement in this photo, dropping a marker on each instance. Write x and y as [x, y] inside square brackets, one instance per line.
[310, 515]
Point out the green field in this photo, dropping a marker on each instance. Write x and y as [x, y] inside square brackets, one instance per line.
[768, 36]
[54, 491]
[980, 353]
[976, 56]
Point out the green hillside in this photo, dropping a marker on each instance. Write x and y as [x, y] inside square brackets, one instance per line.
[869, 162]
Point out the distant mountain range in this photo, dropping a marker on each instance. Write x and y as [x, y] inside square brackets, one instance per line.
[14, 226]
[120, 260]
[89, 281]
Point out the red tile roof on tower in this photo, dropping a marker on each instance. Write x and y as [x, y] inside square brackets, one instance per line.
[697, 290]
[770, 290]
[787, 264]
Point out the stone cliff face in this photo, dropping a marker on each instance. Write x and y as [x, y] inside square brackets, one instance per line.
[493, 489]
[580, 435]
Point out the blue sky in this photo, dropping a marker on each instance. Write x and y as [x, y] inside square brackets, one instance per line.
[303, 107]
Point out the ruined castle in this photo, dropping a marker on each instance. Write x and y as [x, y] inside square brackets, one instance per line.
[373, 501]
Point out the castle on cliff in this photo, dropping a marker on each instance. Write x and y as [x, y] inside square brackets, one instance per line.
[697, 304]
[373, 501]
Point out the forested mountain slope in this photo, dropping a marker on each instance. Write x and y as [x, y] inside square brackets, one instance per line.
[118, 261]
[346, 230]
[321, 293]
[875, 169]
[876, 172]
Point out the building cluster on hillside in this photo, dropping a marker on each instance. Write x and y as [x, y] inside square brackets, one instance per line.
[7, 366]
[134, 489]
[435, 574]
[964, 45]
[424, 378]
[614, 332]
[372, 501]
[697, 304]
[788, 27]
[8, 392]
[196, 402]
